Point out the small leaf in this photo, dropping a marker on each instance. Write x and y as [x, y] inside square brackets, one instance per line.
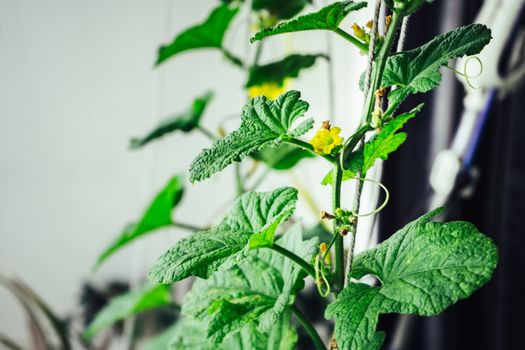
[385, 142]
[381, 145]
[277, 72]
[208, 34]
[184, 122]
[280, 9]
[205, 252]
[417, 70]
[328, 18]
[158, 215]
[264, 123]
[409, 6]
[127, 305]
[258, 290]
[424, 268]
[282, 157]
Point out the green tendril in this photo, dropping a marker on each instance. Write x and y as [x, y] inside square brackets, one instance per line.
[321, 277]
[465, 74]
[382, 206]
[329, 247]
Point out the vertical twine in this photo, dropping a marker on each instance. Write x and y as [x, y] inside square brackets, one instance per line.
[403, 35]
[359, 186]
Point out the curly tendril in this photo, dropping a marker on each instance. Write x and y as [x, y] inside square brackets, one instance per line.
[382, 206]
[320, 278]
[465, 74]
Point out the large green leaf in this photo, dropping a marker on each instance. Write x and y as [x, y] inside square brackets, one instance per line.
[253, 216]
[208, 34]
[423, 268]
[417, 70]
[264, 123]
[127, 305]
[282, 157]
[256, 291]
[185, 122]
[328, 18]
[158, 215]
[191, 335]
[277, 72]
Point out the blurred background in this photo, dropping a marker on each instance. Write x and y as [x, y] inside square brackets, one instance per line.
[77, 82]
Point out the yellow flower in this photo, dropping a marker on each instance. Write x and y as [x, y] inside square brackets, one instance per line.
[323, 249]
[326, 139]
[271, 90]
[359, 32]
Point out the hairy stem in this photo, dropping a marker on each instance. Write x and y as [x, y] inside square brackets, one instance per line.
[358, 43]
[239, 182]
[295, 258]
[308, 147]
[188, 227]
[309, 328]
[232, 58]
[380, 64]
[207, 133]
[339, 242]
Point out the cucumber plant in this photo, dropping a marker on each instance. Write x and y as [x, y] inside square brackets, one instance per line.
[251, 265]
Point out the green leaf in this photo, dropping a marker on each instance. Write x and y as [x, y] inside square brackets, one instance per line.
[406, 7]
[191, 335]
[328, 18]
[423, 268]
[282, 157]
[127, 305]
[277, 72]
[257, 291]
[204, 252]
[280, 9]
[417, 71]
[158, 215]
[264, 123]
[208, 34]
[381, 145]
[185, 122]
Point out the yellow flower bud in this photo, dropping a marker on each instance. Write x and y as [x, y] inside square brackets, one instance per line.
[359, 31]
[388, 20]
[323, 248]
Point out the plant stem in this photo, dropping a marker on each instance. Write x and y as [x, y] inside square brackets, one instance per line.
[207, 133]
[239, 183]
[309, 328]
[188, 227]
[260, 179]
[308, 147]
[339, 242]
[375, 84]
[381, 61]
[295, 258]
[232, 58]
[358, 43]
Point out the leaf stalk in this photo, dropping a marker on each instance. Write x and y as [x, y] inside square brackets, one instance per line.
[309, 328]
[295, 258]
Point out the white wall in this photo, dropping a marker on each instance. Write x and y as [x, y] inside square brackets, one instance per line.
[76, 82]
